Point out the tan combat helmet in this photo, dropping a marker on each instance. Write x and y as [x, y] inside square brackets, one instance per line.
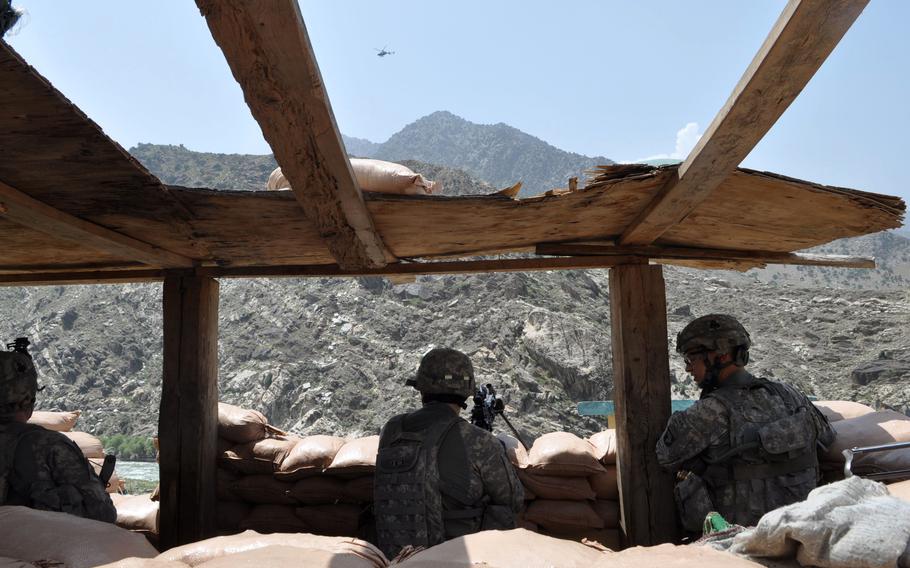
[715, 332]
[18, 383]
[444, 371]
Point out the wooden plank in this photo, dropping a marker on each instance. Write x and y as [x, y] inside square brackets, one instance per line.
[268, 49]
[188, 419]
[641, 392]
[25, 210]
[688, 253]
[805, 34]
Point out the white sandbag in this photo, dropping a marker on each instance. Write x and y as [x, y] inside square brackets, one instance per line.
[240, 425]
[56, 421]
[198, 552]
[144, 563]
[882, 427]
[277, 556]
[565, 454]
[516, 452]
[375, 175]
[32, 535]
[673, 556]
[517, 548]
[604, 446]
[901, 490]
[137, 513]
[836, 410]
[356, 458]
[89, 445]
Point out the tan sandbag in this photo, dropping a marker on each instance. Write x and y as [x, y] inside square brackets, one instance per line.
[609, 512]
[375, 175]
[240, 425]
[14, 563]
[229, 514]
[836, 410]
[144, 563]
[611, 538]
[196, 553]
[114, 484]
[604, 484]
[309, 457]
[31, 535]
[274, 519]
[359, 490]
[882, 427]
[260, 456]
[672, 556]
[517, 548]
[356, 458]
[333, 520]
[563, 516]
[56, 421]
[224, 484]
[901, 489]
[516, 453]
[554, 487]
[604, 446]
[318, 490]
[89, 445]
[137, 513]
[288, 557]
[263, 490]
[564, 454]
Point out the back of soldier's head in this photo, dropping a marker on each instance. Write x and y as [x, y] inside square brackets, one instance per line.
[715, 332]
[18, 384]
[444, 373]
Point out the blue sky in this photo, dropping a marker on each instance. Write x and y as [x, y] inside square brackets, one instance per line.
[625, 80]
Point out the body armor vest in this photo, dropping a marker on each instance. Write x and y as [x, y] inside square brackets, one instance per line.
[11, 434]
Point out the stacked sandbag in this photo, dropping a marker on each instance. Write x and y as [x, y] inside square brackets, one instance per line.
[572, 487]
[137, 513]
[836, 410]
[869, 429]
[667, 555]
[30, 535]
[56, 421]
[269, 481]
[375, 175]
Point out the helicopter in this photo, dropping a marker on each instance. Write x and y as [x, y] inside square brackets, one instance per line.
[383, 52]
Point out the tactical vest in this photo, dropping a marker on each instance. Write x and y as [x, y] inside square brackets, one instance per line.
[407, 499]
[11, 434]
[772, 431]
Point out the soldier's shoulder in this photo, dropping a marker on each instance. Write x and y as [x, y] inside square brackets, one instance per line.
[476, 436]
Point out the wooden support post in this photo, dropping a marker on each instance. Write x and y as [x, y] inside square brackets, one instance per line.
[641, 391]
[188, 420]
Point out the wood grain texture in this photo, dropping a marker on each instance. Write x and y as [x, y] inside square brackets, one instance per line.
[188, 419]
[806, 32]
[268, 50]
[641, 392]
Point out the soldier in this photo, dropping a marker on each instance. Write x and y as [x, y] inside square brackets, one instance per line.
[749, 445]
[39, 468]
[437, 476]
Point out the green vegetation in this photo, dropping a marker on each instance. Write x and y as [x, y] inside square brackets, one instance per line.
[129, 448]
[138, 486]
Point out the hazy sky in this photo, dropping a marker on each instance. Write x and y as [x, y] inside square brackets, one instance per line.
[625, 80]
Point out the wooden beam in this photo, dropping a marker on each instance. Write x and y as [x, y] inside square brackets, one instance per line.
[688, 253]
[29, 212]
[268, 50]
[805, 34]
[188, 419]
[641, 392]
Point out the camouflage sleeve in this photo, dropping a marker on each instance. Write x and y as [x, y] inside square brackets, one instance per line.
[76, 485]
[691, 432]
[500, 482]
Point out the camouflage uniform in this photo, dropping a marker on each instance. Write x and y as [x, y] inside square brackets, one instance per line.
[39, 468]
[744, 449]
[467, 483]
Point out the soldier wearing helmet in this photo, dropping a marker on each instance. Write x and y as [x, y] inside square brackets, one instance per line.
[749, 445]
[437, 476]
[39, 468]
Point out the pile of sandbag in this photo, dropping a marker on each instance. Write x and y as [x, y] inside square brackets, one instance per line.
[868, 429]
[269, 481]
[570, 486]
[91, 446]
[375, 175]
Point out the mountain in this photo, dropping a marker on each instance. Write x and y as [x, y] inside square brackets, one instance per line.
[359, 147]
[176, 165]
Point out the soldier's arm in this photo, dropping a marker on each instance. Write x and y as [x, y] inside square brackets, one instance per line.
[691, 432]
[500, 481]
[71, 472]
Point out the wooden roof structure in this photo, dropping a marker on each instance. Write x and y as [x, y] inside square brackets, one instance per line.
[76, 208]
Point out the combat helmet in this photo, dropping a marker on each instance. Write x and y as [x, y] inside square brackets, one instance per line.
[18, 383]
[444, 371]
[715, 332]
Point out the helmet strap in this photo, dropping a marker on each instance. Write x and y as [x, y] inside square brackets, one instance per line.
[711, 381]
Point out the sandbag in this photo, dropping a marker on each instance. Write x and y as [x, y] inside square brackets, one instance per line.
[610, 538]
[374, 175]
[260, 456]
[516, 453]
[332, 520]
[604, 484]
[288, 557]
[836, 410]
[608, 511]
[564, 454]
[356, 458]
[274, 519]
[604, 446]
[517, 548]
[263, 490]
[563, 516]
[224, 485]
[240, 425]
[229, 514]
[554, 487]
[56, 421]
[318, 490]
[669, 555]
[89, 445]
[901, 489]
[359, 490]
[137, 513]
[31, 535]
[114, 484]
[144, 563]
[196, 553]
[882, 427]
[14, 563]
[309, 457]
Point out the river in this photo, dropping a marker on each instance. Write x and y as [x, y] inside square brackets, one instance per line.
[146, 471]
